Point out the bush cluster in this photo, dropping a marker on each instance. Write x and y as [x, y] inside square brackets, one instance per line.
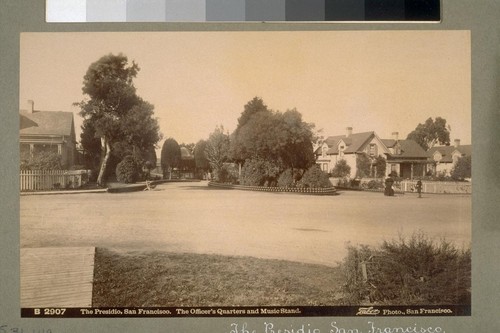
[227, 174]
[407, 272]
[127, 171]
[41, 161]
[315, 177]
[286, 179]
[258, 172]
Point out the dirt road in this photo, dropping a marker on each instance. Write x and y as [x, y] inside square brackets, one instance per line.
[190, 217]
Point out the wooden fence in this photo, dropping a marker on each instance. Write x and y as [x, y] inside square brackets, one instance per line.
[436, 187]
[45, 180]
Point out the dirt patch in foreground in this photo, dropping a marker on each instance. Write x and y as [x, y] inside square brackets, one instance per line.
[147, 279]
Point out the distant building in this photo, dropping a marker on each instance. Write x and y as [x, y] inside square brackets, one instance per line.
[47, 131]
[403, 157]
[443, 158]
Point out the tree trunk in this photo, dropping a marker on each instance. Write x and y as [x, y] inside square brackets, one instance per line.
[107, 151]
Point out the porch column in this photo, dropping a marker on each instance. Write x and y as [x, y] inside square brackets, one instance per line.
[59, 149]
[411, 174]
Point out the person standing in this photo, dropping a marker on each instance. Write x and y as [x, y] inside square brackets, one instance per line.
[419, 188]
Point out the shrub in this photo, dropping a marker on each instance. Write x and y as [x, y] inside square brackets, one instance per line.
[258, 172]
[363, 164]
[315, 177]
[286, 179]
[462, 168]
[375, 184]
[379, 166]
[227, 174]
[43, 160]
[407, 272]
[127, 170]
[341, 169]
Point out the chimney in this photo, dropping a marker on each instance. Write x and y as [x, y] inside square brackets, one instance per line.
[395, 136]
[348, 132]
[31, 106]
[457, 143]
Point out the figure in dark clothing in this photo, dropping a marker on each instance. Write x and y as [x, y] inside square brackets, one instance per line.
[419, 188]
[388, 187]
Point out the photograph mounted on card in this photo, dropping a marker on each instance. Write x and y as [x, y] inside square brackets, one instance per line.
[250, 174]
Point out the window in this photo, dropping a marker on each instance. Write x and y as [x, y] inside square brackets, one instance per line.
[373, 149]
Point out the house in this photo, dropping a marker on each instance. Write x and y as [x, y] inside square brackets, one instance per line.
[407, 158]
[187, 166]
[443, 158]
[47, 131]
[404, 157]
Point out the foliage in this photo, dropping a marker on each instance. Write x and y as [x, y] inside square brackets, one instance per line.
[227, 174]
[374, 184]
[283, 138]
[217, 148]
[287, 178]
[462, 168]
[259, 172]
[431, 133]
[315, 177]
[200, 158]
[127, 170]
[363, 165]
[115, 118]
[170, 156]
[341, 169]
[43, 160]
[407, 272]
[379, 167]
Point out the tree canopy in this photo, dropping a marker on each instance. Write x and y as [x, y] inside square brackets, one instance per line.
[431, 133]
[217, 149]
[170, 156]
[283, 138]
[200, 158]
[114, 115]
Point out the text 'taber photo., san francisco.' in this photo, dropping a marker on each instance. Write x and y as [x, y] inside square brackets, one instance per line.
[217, 174]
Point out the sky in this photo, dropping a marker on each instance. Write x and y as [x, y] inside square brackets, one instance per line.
[382, 81]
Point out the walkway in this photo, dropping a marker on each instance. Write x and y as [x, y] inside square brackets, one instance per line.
[57, 277]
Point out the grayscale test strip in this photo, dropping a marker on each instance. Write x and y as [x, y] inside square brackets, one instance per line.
[243, 10]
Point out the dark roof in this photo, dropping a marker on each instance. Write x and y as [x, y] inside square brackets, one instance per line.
[46, 123]
[389, 143]
[186, 154]
[447, 151]
[411, 149]
[355, 142]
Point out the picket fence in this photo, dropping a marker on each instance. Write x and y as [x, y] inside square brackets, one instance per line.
[437, 187]
[45, 180]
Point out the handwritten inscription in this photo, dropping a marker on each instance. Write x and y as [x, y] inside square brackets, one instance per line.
[16, 329]
[370, 327]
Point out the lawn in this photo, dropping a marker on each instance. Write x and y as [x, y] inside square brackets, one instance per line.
[152, 278]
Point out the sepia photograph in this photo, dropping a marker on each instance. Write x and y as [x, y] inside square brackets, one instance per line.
[248, 173]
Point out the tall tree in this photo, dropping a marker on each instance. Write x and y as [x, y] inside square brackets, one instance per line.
[431, 133]
[170, 156]
[283, 138]
[217, 149]
[200, 158]
[113, 113]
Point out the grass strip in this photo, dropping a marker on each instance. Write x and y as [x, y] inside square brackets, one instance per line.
[162, 279]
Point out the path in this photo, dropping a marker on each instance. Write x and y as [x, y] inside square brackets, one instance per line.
[57, 277]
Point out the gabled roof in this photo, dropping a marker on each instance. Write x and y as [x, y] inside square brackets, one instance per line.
[447, 152]
[411, 149]
[186, 154]
[46, 123]
[389, 143]
[354, 143]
